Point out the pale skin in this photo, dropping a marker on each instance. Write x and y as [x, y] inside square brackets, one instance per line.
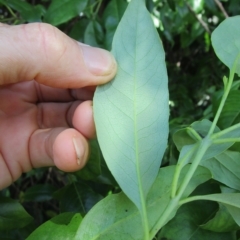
[47, 82]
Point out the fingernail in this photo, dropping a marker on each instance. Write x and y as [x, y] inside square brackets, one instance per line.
[79, 149]
[99, 61]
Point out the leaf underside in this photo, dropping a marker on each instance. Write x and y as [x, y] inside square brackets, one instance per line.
[131, 112]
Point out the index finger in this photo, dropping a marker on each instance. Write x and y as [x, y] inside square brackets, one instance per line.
[42, 52]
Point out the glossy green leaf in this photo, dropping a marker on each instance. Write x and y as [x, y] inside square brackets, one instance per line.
[12, 214]
[111, 17]
[116, 217]
[225, 168]
[221, 222]
[226, 42]
[61, 227]
[62, 11]
[131, 112]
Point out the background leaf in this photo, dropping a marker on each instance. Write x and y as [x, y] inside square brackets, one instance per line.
[230, 200]
[62, 227]
[221, 222]
[184, 137]
[116, 217]
[39, 193]
[92, 168]
[112, 16]
[226, 42]
[231, 110]
[80, 198]
[12, 214]
[62, 11]
[225, 168]
[27, 11]
[189, 217]
[131, 112]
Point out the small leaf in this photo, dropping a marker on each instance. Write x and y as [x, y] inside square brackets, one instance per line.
[226, 42]
[225, 168]
[61, 227]
[184, 137]
[62, 11]
[12, 214]
[131, 112]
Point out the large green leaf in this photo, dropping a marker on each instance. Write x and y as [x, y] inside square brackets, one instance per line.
[61, 227]
[226, 42]
[12, 214]
[116, 217]
[225, 168]
[131, 112]
[62, 11]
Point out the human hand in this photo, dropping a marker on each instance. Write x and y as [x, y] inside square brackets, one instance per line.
[45, 88]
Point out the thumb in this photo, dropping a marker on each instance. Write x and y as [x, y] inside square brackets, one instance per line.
[42, 52]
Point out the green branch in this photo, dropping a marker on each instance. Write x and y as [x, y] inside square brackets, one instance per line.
[225, 131]
[225, 95]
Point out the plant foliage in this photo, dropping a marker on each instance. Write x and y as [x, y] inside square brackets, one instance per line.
[141, 183]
